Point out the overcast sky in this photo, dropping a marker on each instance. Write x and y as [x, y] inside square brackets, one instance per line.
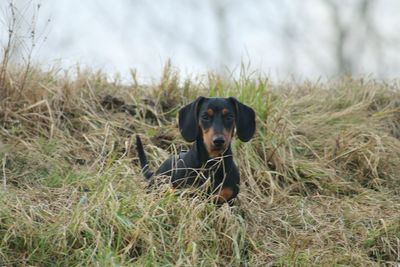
[304, 39]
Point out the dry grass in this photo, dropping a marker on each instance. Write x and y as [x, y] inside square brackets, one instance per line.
[320, 180]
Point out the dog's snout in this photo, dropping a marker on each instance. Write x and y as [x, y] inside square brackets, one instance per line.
[218, 140]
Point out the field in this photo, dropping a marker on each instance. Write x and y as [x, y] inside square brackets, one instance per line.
[320, 180]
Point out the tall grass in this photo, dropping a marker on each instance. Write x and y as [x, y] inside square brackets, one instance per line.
[320, 180]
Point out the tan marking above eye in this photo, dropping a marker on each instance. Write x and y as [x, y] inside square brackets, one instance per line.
[210, 112]
[224, 111]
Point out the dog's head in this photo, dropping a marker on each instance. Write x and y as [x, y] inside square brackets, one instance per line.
[214, 121]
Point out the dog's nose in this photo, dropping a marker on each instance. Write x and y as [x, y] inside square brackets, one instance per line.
[218, 140]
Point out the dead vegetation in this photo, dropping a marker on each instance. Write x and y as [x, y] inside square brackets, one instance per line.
[320, 181]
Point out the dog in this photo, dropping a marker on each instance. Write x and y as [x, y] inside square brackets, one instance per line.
[211, 124]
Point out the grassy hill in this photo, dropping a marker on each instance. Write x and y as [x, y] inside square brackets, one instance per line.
[320, 180]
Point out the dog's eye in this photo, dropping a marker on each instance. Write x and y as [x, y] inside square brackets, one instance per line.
[229, 117]
[205, 117]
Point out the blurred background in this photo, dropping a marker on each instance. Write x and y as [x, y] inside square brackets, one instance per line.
[287, 39]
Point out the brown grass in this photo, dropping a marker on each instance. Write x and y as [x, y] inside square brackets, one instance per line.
[320, 180]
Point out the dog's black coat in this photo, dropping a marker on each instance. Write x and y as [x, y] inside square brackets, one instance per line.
[203, 122]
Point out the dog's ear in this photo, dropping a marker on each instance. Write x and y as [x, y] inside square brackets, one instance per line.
[245, 119]
[188, 120]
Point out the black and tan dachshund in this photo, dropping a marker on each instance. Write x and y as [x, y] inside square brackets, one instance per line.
[210, 123]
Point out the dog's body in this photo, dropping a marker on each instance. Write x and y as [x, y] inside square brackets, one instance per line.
[210, 124]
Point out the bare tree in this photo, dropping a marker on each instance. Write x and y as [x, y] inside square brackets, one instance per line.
[344, 65]
[220, 10]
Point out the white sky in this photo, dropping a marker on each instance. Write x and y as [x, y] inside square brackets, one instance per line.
[118, 35]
